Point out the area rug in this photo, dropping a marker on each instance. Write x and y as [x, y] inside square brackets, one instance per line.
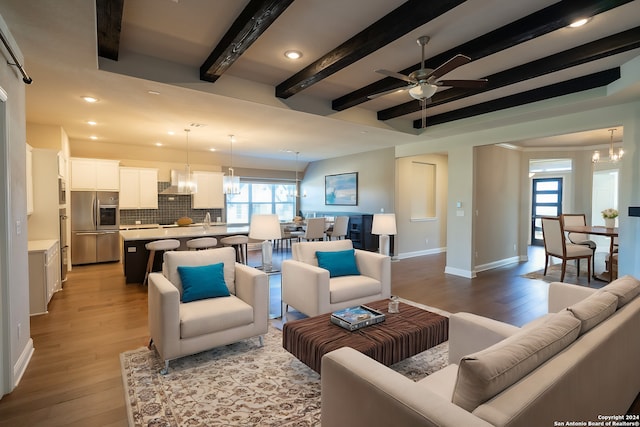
[555, 270]
[241, 384]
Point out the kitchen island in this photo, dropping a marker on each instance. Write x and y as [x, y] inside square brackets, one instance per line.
[135, 255]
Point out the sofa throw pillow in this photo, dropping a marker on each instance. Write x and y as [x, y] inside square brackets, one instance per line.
[594, 309]
[339, 263]
[486, 373]
[625, 288]
[202, 282]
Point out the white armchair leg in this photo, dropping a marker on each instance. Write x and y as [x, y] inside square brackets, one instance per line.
[261, 340]
[285, 308]
[165, 370]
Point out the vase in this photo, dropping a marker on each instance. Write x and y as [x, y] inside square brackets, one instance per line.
[610, 222]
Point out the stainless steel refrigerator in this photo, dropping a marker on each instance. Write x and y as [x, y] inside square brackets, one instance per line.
[95, 223]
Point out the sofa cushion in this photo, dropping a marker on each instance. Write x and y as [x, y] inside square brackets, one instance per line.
[213, 315]
[625, 288]
[173, 259]
[202, 281]
[306, 251]
[486, 373]
[346, 288]
[339, 263]
[594, 309]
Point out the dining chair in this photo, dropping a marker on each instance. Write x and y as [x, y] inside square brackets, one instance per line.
[555, 245]
[340, 227]
[580, 238]
[315, 229]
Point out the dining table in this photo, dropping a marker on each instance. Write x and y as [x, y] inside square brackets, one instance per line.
[598, 230]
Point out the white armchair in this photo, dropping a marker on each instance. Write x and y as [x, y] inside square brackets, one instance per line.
[309, 289]
[182, 328]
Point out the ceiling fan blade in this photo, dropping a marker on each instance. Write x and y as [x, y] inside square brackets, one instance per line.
[472, 84]
[450, 65]
[396, 75]
[387, 92]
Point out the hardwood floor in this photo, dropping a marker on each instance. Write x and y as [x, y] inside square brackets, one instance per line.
[74, 376]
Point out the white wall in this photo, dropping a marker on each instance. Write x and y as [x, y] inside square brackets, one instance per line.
[426, 236]
[376, 182]
[16, 345]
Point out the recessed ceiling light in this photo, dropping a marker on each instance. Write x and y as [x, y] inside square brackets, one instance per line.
[171, 132]
[91, 123]
[153, 92]
[579, 23]
[212, 149]
[90, 99]
[158, 144]
[293, 54]
[93, 137]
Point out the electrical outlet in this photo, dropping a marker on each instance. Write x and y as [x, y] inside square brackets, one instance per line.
[476, 254]
[18, 227]
[426, 241]
[514, 248]
[19, 330]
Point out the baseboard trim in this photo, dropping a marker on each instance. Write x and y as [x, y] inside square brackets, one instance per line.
[23, 361]
[497, 264]
[469, 274]
[414, 254]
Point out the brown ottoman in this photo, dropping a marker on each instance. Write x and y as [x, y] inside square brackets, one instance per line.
[401, 335]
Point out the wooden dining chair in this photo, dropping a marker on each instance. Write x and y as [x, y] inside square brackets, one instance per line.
[555, 245]
[580, 238]
[315, 229]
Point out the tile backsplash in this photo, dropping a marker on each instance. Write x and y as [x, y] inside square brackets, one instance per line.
[170, 208]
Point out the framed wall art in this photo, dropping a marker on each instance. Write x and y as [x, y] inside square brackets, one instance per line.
[341, 189]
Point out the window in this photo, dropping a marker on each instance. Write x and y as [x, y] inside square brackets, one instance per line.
[261, 198]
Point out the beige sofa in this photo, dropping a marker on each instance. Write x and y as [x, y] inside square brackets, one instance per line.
[312, 291]
[577, 363]
[180, 329]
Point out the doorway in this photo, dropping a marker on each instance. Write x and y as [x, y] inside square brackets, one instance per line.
[546, 201]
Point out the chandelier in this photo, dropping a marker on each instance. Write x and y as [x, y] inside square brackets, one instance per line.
[613, 155]
[231, 183]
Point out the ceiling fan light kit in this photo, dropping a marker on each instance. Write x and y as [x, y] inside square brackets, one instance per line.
[424, 82]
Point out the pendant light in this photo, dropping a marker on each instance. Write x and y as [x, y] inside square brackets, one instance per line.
[231, 184]
[186, 182]
[297, 185]
[613, 155]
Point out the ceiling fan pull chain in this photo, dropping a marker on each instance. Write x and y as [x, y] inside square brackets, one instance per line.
[423, 103]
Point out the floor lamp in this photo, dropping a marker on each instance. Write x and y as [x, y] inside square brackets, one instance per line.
[384, 225]
[265, 228]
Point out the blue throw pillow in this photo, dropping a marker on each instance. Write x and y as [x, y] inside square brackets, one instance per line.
[339, 263]
[203, 281]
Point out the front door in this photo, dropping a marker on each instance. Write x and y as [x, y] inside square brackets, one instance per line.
[546, 201]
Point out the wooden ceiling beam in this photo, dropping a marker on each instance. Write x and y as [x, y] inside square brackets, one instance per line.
[539, 23]
[611, 45]
[407, 17]
[256, 17]
[578, 84]
[109, 25]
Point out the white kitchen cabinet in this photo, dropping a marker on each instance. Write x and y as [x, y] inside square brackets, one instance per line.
[209, 194]
[44, 274]
[29, 180]
[95, 174]
[139, 188]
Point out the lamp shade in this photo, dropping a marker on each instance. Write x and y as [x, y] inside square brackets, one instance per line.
[384, 224]
[264, 227]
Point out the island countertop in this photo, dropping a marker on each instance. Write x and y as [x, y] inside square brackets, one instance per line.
[182, 232]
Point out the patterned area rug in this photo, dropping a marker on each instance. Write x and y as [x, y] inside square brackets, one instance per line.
[241, 384]
[554, 271]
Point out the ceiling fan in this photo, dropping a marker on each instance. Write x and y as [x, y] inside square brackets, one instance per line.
[423, 83]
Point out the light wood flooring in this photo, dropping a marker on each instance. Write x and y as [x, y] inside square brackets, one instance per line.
[74, 376]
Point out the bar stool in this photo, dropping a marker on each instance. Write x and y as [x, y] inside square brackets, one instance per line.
[202, 243]
[158, 245]
[239, 243]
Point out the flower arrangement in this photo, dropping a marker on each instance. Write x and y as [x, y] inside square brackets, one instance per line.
[609, 213]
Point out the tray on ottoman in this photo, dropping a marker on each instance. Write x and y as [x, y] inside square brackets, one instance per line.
[402, 335]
